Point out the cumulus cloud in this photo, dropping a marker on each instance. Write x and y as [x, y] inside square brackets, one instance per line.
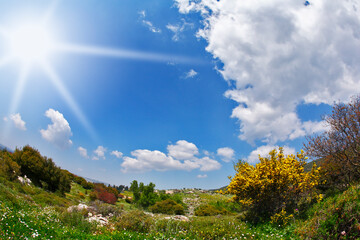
[263, 151]
[147, 23]
[192, 73]
[83, 152]
[99, 153]
[226, 154]
[202, 176]
[183, 150]
[280, 54]
[117, 154]
[59, 132]
[181, 156]
[18, 122]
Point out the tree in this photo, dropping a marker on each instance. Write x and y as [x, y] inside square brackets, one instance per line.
[339, 146]
[41, 170]
[8, 168]
[274, 185]
[134, 187]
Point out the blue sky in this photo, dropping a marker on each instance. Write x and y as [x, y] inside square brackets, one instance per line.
[171, 92]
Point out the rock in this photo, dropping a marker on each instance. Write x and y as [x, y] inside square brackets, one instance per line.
[99, 219]
[24, 180]
[79, 207]
[179, 218]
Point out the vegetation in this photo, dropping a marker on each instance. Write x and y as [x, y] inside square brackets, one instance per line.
[167, 206]
[339, 146]
[274, 186]
[41, 170]
[210, 210]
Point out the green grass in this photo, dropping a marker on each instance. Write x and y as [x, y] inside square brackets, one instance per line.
[336, 217]
[32, 213]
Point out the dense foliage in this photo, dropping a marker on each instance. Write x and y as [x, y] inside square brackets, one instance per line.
[41, 170]
[210, 210]
[274, 185]
[167, 206]
[8, 168]
[144, 195]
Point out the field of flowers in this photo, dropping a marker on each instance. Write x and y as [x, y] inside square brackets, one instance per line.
[28, 212]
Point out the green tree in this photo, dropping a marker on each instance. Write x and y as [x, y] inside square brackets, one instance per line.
[8, 168]
[134, 188]
[41, 170]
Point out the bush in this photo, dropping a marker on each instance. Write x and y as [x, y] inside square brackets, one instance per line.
[209, 210]
[275, 184]
[167, 206]
[107, 197]
[136, 221]
[77, 220]
[106, 209]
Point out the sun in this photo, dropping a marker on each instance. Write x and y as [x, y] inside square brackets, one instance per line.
[30, 43]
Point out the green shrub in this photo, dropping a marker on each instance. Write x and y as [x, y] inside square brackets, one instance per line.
[106, 209]
[77, 220]
[210, 210]
[167, 206]
[136, 221]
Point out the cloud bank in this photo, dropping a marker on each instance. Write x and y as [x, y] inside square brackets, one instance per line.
[277, 55]
[181, 156]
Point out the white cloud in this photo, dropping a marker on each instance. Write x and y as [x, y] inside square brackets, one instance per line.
[226, 154]
[146, 160]
[83, 152]
[18, 122]
[117, 154]
[181, 157]
[281, 54]
[59, 132]
[201, 176]
[99, 153]
[263, 151]
[208, 164]
[148, 24]
[183, 150]
[177, 29]
[192, 73]
[5, 119]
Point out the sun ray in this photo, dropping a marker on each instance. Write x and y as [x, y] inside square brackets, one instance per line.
[50, 11]
[19, 89]
[5, 60]
[69, 100]
[125, 53]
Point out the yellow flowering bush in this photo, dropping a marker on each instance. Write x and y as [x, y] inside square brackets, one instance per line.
[275, 184]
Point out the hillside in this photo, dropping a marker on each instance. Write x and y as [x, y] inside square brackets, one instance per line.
[88, 210]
